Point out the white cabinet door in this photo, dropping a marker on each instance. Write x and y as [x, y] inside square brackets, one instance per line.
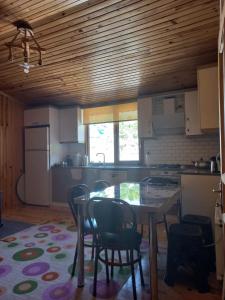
[70, 128]
[37, 138]
[37, 178]
[208, 97]
[197, 195]
[37, 116]
[145, 125]
[192, 114]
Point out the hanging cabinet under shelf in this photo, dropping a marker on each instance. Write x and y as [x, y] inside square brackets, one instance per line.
[192, 114]
[71, 129]
[145, 124]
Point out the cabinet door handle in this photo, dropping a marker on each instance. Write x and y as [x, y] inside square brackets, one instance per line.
[217, 191]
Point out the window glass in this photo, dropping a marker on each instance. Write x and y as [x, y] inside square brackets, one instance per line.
[128, 141]
[101, 140]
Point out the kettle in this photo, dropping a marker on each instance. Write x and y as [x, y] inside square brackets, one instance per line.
[201, 163]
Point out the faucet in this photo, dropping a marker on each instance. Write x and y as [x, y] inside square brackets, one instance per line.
[103, 155]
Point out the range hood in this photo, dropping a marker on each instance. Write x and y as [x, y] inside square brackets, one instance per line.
[170, 120]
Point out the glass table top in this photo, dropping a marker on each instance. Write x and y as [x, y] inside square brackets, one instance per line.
[139, 194]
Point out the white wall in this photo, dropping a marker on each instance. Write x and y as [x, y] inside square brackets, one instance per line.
[71, 149]
[180, 149]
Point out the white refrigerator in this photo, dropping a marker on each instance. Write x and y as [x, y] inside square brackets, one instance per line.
[37, 166]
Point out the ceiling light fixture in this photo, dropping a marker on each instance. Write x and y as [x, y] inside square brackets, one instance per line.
[21, 41]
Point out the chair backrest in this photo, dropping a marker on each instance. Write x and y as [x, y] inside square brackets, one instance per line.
[110, 215]
[100, 185]
[77, 191]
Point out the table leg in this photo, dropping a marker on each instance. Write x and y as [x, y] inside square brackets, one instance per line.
[80, 262]
[153, 258]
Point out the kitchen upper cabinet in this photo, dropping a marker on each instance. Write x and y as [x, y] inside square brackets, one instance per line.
[71, 129]
[37, 116]
[192, 114]
[145, 123]
[208, 98]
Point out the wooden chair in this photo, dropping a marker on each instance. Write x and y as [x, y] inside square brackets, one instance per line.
[100, 185]
[77, 191]
[114, 232]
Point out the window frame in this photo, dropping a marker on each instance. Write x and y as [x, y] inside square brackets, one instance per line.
[116, 147]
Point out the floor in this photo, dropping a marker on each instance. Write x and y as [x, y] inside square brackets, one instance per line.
[183, 290]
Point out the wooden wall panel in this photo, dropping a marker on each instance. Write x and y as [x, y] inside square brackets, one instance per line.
[11, 148]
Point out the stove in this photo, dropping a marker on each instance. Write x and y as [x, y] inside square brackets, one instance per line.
[166, 166]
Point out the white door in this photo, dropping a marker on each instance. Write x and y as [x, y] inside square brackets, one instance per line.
[37, 178]
[37, 138]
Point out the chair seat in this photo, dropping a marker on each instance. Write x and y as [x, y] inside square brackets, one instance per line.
[127, 239]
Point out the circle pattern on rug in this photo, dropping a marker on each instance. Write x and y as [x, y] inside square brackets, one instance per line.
[35, 269]
[61, 237]
[125, 271]
[50, 276]
[60, 255]
[5, 270]
[11, 245]
[9, 239]
[69, 246]
[2, 290]
[58, 292]
[53, 249]
[71, 228]
[46, 228]
[104, 290]
[41, 241]
[55, 230]
[24, 237]
[28, 254]
[88, 268]
[25, 287]
[31, 244]
[40, 235]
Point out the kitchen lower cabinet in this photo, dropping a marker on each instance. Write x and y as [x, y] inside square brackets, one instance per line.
[113, 177]
[197, 195]
[90, 176]
[62, 180]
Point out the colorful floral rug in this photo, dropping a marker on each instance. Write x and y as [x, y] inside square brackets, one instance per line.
[36, 264]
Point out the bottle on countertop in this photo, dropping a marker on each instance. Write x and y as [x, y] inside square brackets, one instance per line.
[85, 160]
[69, 161]
[77, 159]
[147, 158]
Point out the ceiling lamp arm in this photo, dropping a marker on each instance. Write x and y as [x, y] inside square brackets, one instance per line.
[39, 49]
[10, 45]
[26, 49]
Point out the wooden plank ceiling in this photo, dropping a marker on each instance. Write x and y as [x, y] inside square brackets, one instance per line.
[100, 51]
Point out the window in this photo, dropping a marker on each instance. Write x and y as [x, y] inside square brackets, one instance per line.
[114, 142]
[101, 140]
[128, 141]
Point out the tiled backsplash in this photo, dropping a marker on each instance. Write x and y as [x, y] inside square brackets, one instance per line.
[181, 149]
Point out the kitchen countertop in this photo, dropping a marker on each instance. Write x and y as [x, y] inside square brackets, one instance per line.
[196, 171]
[180, 169]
